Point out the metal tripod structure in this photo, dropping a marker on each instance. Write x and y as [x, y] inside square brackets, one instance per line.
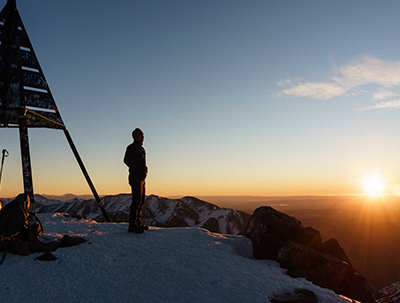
[25, 97]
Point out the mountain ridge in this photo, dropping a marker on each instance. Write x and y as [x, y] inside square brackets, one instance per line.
[157, 211]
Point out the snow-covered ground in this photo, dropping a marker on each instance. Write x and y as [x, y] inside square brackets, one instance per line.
[161, 265]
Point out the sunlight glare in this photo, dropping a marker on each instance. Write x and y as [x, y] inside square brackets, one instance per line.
[373, 184]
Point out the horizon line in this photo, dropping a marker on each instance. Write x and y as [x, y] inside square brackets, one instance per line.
[216, 196]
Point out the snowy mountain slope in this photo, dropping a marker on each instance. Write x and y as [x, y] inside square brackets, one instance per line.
[161, 265]
[158, 211]
[390, 293]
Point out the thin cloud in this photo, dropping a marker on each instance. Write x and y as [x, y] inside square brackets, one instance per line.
[384, 94]
[356, 92]
[284, 82]
[319, 90]
[366, 71]
[371, 71]
[388, 104]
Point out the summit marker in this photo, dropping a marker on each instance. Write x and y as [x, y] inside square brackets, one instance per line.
[25, 97]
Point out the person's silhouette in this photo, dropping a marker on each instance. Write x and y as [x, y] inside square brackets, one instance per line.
[135, 159]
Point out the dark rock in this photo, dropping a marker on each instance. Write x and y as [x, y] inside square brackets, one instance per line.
[293, 256]
[269, 230]
[176, 221]
[279, 237]
[67, 241]
[324, 270]
[211, 225]
[309, 237]
[321, 269]
[267, 246]
[299, 296]
[237, 220]
[48, 256]
[333, 248]
[355, 286]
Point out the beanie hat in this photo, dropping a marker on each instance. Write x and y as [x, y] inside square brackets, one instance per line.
[137, 132]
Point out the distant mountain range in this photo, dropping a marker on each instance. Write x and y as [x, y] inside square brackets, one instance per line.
[390, 294]
[158, 211]
[66, 197]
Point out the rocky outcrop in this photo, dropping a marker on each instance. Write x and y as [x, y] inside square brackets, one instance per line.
[280, 237]
[269, 230]
[212, 225]
[333, 248]
[324, 270]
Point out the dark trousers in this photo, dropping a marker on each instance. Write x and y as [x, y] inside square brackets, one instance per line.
[138, 199]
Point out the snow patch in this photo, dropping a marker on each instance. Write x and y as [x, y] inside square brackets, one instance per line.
[161, 265]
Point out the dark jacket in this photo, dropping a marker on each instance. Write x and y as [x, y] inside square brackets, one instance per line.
[135, 159]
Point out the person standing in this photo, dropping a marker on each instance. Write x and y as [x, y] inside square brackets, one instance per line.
[135, 159]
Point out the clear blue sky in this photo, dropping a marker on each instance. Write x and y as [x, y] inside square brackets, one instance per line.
[234, 97]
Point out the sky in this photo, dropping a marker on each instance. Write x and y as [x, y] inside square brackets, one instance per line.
[234, 97]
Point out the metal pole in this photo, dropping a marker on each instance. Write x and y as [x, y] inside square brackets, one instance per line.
[28, 184]
[5, 155]
[85, 173]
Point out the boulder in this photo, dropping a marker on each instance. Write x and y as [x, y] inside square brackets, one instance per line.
[355, 286]
[269, 230]
[278, 236]
[333, 248]
[321, 269]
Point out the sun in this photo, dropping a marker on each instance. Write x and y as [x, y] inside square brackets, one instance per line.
[373, 184]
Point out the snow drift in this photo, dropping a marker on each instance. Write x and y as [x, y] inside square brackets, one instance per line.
[161, 265]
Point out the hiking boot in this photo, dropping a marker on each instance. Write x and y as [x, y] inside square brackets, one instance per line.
[140, 225]
[135, 229]
[144, 227]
